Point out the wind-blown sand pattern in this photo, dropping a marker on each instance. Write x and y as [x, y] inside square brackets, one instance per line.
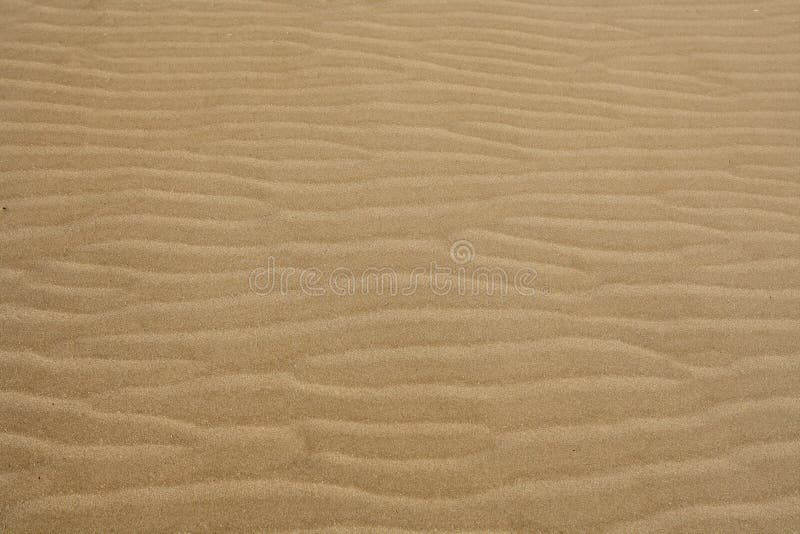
[642, 157]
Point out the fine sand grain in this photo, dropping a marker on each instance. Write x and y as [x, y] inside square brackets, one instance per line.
[612, 192]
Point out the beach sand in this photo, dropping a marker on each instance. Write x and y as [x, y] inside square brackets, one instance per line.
[184, 185]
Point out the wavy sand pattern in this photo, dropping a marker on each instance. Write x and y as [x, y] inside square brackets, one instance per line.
[642, 157]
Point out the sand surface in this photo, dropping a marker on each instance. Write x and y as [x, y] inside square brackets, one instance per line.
[160, 159]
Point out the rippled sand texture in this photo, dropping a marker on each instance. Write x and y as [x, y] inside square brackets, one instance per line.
[642, 157]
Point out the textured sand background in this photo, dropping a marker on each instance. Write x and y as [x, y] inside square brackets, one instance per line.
[641, 156]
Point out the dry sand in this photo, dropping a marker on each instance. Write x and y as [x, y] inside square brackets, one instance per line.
[641, 156]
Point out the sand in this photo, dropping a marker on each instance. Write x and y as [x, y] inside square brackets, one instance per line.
[165, 165]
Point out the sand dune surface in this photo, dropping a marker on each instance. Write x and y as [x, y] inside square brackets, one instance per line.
[359, 266]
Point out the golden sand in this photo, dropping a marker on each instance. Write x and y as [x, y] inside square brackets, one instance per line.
[161, 160]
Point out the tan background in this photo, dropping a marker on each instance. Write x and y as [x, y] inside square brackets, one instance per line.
[641, 156]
